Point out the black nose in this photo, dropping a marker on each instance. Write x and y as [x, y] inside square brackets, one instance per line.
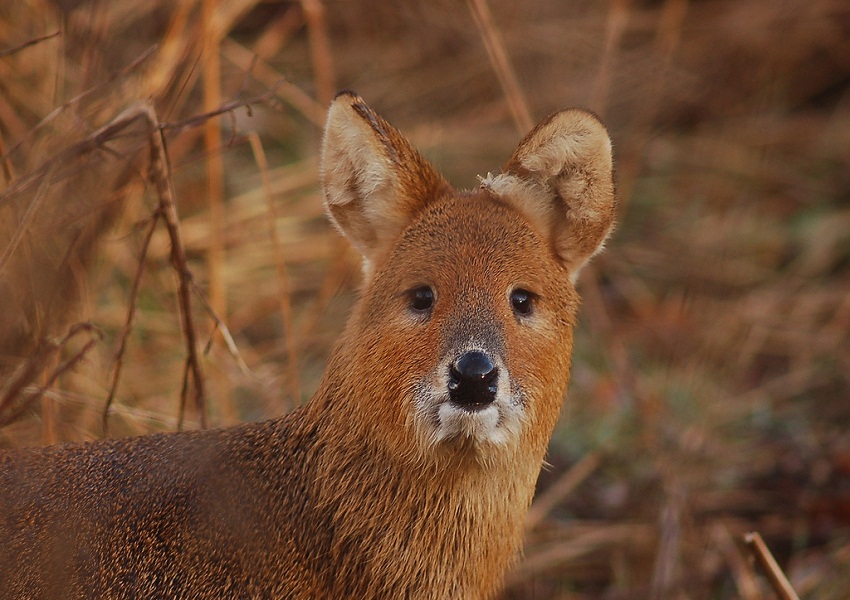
[473, 380]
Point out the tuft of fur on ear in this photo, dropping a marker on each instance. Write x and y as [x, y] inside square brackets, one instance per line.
[374, 181]
[561, 178]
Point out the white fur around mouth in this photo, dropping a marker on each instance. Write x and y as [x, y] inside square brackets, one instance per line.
[440, 421]
[481, 425]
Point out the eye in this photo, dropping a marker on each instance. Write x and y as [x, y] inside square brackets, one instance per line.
[522, 302]
[421, 298]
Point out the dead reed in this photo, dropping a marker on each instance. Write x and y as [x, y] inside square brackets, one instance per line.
[710, 394]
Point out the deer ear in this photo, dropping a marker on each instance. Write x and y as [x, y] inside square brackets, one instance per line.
[374, 181]
[561, 178]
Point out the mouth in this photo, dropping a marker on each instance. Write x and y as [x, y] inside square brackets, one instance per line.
[481, 413]
[475, 423]
[469, 402]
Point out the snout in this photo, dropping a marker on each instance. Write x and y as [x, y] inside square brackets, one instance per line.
[471, 396]
[473, 381]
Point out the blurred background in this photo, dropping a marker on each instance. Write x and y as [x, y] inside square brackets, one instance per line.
[710, 389]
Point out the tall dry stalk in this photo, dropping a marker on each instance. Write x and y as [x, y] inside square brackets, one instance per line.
[495, 45]
[211, 60]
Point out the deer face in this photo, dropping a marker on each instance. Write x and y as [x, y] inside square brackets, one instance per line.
[473, 312]
[466, 316]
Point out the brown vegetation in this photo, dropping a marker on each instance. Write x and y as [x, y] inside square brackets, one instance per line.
[710, 391]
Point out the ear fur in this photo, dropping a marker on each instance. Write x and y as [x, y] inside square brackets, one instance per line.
[374, 181]
[561, 178]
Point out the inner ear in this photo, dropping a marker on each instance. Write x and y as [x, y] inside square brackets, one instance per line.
[561, 178]
[374, 181]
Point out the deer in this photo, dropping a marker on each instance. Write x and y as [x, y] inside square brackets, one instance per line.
[410, 471]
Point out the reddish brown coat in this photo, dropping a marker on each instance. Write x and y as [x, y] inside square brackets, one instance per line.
[381, 486]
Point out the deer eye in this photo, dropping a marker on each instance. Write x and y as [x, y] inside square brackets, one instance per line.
[421, 298]
[522, 301]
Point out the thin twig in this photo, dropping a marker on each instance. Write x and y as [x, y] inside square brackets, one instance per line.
[32, 42]
[76, 99]
[128, 323]
[742, 574]
[24, 374]
[93, 142]
[160, 173]
[224, 108]
[765, 559]
[225, 332]
[97, 139]
[46, 349]
[184, 393]
[495, 46]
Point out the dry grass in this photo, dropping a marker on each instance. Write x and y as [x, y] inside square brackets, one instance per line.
[710, 392]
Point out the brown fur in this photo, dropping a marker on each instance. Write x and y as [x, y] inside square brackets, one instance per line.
[353, 495]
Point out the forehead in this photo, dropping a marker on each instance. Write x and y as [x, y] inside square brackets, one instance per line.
[473, 233]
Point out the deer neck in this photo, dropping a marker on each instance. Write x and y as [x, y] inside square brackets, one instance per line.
[448, 525]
